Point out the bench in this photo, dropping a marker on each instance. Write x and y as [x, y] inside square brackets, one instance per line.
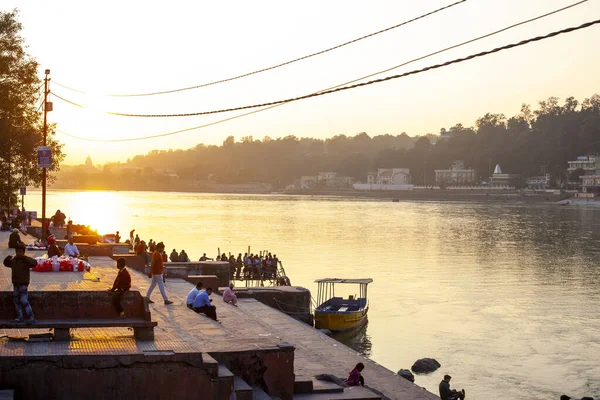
[64, 310]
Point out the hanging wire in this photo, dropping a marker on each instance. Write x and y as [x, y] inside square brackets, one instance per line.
[278, 65]
[358, 85]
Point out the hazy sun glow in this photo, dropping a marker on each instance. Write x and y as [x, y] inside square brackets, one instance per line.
[152, 48]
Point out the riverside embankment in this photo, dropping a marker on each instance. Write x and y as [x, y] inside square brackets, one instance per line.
[250, 331]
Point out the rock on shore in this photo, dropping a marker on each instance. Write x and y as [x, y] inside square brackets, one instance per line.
[425, 366]
[406, 374]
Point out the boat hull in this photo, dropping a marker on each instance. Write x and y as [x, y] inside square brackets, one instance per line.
[337, 321]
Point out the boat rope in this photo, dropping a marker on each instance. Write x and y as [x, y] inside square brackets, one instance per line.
[279, 303]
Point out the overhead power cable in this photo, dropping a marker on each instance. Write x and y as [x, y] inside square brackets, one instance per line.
[344, 88]
[278, 65]
[333, 87]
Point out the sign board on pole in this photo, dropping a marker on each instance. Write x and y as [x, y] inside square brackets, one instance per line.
[23, 190]
[44, 157]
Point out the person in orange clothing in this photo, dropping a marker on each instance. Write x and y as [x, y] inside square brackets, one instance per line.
[157, 268]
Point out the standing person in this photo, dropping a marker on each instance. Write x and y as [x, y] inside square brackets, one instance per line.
[446, 393]
[131, 238]
[20, 265]
[121, 285]
[157, 268]
[136, 242]
[238, 265]
[140, 250]
[229, 296]
[189, 301]
[152, 246]
[164, 256]
[69, 229]
[355, 378]
[117, 237]
[202, 305]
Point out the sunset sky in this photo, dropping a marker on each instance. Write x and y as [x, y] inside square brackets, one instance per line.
[144, 46]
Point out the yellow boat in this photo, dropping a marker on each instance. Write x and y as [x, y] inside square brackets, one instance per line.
[336, 313]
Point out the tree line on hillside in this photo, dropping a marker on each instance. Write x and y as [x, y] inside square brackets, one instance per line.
[533, 141]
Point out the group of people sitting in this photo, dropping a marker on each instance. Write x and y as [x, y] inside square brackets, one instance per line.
[179, 257]
[70, 249]
[10, 221]
[198, 300]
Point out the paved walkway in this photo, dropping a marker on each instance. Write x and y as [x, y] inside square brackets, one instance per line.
[252, 325]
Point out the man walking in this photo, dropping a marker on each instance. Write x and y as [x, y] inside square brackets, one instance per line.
[156, 269]
[20, 265]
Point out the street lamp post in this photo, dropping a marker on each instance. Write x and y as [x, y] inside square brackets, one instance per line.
[46, 79]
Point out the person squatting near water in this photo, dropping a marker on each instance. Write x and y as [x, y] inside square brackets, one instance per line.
[202, 304]
[20, 265]
[157, 268]
[121, 286]
[355, 378]
[446, 393]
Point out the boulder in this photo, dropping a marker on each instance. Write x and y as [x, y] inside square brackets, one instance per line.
[406, 374]
[425, 366]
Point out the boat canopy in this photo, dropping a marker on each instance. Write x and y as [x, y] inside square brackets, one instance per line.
[326, 288]
[364, 281]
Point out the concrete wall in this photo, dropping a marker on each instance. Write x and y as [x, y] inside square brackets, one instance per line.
[273, 371]
[181, 376]
[292, 300]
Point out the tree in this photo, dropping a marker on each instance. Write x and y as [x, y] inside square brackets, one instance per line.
[574, 176]
[21, 129]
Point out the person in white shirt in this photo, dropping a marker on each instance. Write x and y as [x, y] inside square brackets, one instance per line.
[71, 249]
[192, 295]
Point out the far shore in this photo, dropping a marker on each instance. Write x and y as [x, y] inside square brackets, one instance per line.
[464, 195]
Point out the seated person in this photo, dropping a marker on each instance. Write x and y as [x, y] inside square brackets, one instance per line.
[203, 258]
[71, 249]
[183, 257]
[189, 301]
[14, 239]
[446, 393]
[355, 378]
[229, 295]
[174, 257]
[53, 249]
[202, 304]
[121, 285]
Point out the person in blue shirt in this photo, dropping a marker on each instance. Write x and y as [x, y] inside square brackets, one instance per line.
[202, 304]
[193, 294]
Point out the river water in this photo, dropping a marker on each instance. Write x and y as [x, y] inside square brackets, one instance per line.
[504, 296]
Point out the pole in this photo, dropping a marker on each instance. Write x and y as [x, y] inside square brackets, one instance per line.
[45, 143]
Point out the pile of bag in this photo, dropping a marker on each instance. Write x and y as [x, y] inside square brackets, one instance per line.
[61, 264]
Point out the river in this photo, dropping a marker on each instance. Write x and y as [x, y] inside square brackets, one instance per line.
[504, 296]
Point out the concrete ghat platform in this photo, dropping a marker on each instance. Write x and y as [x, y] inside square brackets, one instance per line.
[266, 341]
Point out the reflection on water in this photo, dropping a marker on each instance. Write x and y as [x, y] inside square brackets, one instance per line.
[504, 296]
[356, 339]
